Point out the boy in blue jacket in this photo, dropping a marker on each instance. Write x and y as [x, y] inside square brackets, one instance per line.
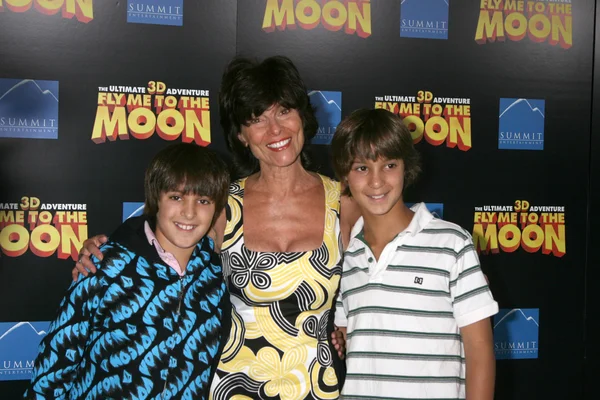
[150, 322]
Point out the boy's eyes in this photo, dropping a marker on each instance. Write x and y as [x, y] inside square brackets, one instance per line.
[203, 200]
[363, 168]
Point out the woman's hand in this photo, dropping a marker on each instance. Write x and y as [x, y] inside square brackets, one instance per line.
[338, 340]
[84, 265]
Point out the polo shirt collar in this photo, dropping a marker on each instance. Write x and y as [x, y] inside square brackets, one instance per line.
[419, 221]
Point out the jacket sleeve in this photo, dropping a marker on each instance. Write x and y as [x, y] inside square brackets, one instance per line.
[62, 349]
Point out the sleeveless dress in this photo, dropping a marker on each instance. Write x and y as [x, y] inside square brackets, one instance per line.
[282, 312]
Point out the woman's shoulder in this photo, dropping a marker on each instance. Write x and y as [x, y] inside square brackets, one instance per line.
[236, 187]
[331, 185]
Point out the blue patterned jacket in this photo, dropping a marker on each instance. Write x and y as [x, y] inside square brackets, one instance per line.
[135, 329]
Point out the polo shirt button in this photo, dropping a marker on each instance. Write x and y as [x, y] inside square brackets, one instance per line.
[370, 259]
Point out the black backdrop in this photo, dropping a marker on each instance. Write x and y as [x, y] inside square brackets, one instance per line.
[108, 51]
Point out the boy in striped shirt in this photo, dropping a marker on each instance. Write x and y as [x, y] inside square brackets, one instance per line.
[416, 301]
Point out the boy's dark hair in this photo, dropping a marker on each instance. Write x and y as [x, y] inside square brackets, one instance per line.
[371, 134]
[199, 170]
[248, 88]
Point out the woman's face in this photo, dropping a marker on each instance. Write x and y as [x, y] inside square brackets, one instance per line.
[275, 137]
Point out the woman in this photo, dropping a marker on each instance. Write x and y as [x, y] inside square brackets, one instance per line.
[281, 239]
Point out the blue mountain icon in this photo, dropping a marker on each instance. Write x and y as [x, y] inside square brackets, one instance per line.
[26, 99]
[516, 316]
[328, 110]
[19, 341]
[522, 107]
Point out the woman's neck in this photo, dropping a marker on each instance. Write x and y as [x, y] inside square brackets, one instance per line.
[281, 180]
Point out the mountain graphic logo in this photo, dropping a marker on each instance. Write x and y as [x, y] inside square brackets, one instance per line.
[328, 110]
[437, 209]
[28, 109]
[19, 343]
[516, 333]
[132, 209]
[424, 19]
[155, 12]
[521, 125]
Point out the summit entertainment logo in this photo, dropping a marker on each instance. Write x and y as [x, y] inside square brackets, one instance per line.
[18, 348]
[425, 19]
[328, 110]
[521, 124]
[516, 333]
[157, 12]
[28, 109]
[132, 209]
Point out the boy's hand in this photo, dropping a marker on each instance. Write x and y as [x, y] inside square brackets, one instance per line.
[338, 340]
[84, 264]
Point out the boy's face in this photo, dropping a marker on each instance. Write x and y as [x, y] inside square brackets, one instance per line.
[182, 220]
[377, 185]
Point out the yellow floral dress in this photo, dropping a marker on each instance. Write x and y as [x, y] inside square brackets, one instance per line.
[282, 303]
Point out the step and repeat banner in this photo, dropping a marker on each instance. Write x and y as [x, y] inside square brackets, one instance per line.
[497, 95]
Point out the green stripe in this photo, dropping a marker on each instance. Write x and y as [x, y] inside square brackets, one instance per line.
[405, 378]
[474, 292]
[450, 231]
[404, 356]
[354, 253]
[395, 289]
[354, 270]
[466, 272]
[468, 248]
[407, 334]
[414, 268]
[402, 311]
[425, 249]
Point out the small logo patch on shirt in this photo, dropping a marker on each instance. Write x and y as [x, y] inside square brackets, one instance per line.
[418, 280]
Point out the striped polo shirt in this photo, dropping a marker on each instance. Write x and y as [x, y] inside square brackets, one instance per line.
[404, 311]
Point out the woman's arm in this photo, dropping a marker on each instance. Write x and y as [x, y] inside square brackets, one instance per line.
[90, 247]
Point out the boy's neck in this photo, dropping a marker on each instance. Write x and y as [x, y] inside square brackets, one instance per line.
[379, 230]
[181, 255]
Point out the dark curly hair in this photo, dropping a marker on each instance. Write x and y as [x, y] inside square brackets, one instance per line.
[248, 88]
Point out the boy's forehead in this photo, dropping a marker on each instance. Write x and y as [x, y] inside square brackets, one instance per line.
[374, 159]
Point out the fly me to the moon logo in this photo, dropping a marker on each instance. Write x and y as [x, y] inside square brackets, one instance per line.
[354, 16]
[521, 225]
[139, 112]
[437, 119]
[539, 20]
[43, 228]
[83, 10]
